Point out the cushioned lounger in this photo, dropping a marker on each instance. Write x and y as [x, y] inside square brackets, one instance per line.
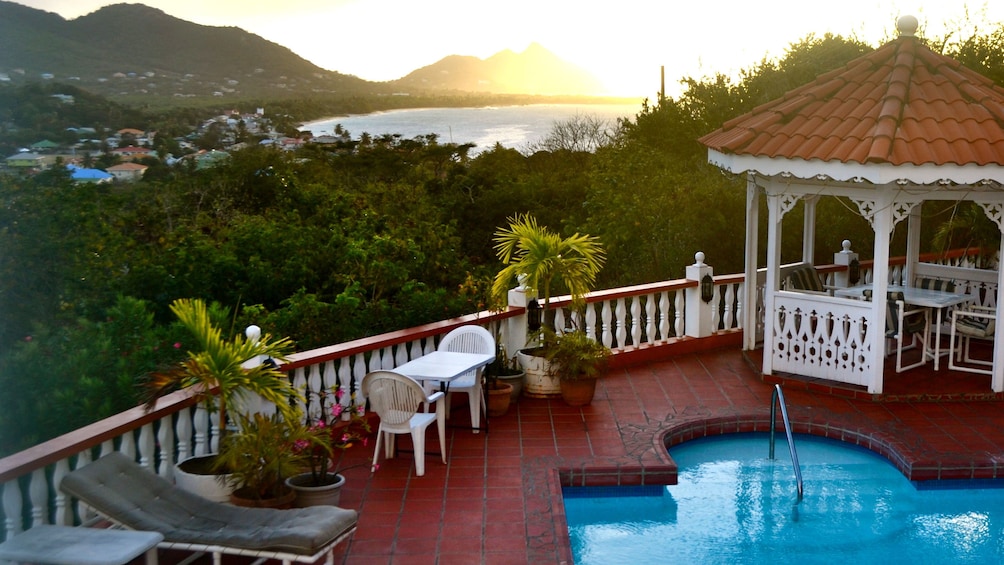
[125, 493]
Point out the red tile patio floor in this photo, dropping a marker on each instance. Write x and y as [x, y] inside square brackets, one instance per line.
[498, 499]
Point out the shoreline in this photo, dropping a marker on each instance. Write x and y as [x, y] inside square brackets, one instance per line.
[607, 102]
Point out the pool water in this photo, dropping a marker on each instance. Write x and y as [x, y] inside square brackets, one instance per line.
[734, 505]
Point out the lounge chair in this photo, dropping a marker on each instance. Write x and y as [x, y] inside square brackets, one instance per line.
[117, 488]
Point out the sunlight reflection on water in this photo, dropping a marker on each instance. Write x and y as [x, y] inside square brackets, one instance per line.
[511, 126]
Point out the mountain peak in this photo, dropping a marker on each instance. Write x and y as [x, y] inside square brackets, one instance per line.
[535, 70]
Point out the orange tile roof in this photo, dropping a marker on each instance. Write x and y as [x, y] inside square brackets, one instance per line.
[900, 104]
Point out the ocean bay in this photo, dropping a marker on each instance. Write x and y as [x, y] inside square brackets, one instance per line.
[511, 126]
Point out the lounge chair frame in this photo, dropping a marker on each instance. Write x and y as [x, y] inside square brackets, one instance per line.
[98, 486]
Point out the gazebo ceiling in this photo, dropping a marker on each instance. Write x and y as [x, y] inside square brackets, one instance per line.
[900, 113]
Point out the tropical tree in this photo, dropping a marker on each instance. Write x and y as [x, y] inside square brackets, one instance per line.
[538, 258]
[220, 367]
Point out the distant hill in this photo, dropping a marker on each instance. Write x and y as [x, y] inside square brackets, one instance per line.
[132, 49]
[534, 71]
[132, 52]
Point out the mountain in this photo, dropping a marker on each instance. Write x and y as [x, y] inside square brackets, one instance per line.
[132, 52]
[534, 71]
[132, 49]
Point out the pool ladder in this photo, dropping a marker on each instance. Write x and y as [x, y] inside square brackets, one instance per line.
[777, 398]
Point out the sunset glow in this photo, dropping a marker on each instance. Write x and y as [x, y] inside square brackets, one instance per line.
[623, 43]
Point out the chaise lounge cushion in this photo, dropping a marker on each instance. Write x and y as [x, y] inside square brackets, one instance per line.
[121, 490]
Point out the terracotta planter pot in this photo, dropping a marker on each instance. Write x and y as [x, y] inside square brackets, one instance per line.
[311, 495]
[498, 399]
[538, 384]
[516, 382]
[241, 498]
[579, 392]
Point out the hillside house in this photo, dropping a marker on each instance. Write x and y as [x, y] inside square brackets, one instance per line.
[127, 172]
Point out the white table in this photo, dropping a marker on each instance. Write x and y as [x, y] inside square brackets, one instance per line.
[64, 545]
[926, 297]
[444, 366]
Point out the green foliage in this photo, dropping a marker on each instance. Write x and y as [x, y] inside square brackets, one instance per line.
[217, 365]
[574, 356]
[58, 378]
[263, 453]
[545, 261]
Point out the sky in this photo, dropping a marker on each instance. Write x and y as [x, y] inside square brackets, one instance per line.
[624, 43]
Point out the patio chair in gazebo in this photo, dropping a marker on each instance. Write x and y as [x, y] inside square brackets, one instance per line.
[976, 322]
[892, 129]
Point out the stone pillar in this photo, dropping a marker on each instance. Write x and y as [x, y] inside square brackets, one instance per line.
[252, 403]
[846, 257]
[700, 320]
[515, 337]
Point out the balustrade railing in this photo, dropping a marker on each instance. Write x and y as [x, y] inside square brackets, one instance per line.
[643, 316]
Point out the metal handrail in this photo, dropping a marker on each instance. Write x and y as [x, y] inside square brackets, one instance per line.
[778, 398]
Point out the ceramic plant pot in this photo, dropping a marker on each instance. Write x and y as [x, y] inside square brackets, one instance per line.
[310, 495]
[538, 383]
[195, 475]
[516, 382]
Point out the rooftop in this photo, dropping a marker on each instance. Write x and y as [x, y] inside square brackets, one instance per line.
[900, 105]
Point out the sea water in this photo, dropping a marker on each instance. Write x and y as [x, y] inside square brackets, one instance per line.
[513, 127]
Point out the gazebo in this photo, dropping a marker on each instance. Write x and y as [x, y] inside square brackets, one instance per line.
[888, 131]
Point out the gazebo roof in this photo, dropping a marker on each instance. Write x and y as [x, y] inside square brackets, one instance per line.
[899, 112]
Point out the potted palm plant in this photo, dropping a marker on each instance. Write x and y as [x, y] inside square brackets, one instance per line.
[577, 361]
[544, 262]
[218, 369]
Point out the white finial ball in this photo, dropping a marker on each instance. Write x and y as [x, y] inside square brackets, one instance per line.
[846, 244]
[907, 26]
[253, 333]
[699, 257]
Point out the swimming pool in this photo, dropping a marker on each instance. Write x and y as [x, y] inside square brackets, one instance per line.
[733, 505]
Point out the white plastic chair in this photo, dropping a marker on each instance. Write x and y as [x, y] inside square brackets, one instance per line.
[468, 339]
[396, 399]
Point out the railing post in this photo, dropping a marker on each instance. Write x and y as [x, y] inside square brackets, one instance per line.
[852, 275]
[700, 312]
[516, 334]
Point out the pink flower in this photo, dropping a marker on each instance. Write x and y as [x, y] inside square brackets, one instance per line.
[336, 410]
[339, 393]
[361, 410]
[177, 345]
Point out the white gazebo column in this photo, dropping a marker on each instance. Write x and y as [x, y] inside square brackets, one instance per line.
[772, 284]
[912, 246]
[882, 223]
[749, 298]
[809, 229]
[994, 212]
